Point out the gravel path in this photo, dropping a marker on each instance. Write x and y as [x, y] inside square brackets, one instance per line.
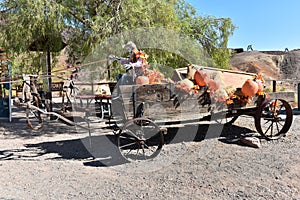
[57, 163]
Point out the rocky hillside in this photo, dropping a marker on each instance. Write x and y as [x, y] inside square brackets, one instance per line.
[274, 65]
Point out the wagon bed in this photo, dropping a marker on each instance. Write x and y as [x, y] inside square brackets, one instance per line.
[160, 99]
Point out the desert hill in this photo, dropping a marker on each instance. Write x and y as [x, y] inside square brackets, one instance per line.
[274, 65]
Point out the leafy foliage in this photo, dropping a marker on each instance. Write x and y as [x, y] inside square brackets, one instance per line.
[83, 25]
[212, 33]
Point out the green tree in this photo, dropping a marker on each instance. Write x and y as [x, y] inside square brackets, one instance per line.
[85, 24]
[28, 29]
[211, 32]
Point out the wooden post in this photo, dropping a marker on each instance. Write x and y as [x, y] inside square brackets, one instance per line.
[48, 64]
[10, 93]
[108, 68]
[92, 84]
[274, 85]
[299, 96]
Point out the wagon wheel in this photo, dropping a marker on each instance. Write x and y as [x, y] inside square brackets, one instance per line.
[273, 118]
[33, 116]
[140, 139]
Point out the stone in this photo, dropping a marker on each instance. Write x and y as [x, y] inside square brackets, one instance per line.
[251, 141]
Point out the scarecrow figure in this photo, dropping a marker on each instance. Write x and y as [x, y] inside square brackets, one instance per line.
[135, 65]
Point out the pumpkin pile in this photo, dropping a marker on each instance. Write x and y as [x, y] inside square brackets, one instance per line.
[250, 88]
[200, 79]
[150, 77]
[154, 76]
[213, 83]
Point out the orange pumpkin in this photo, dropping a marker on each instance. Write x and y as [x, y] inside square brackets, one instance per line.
[250, 88]
[213, 85]
[201, 78]
[142, 80]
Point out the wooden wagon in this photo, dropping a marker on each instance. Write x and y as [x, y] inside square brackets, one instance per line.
[143, 112]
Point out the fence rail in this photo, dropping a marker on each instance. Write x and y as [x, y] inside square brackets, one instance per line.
[294, 85]
[55, 87]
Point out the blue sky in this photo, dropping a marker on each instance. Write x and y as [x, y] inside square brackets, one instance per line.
[265, 24]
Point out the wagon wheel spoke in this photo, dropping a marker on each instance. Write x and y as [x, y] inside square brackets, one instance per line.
[34, 113]
[129, 138]
[280, 109]
[280, 123]
[267, 121]
[151, 149]
[127, 145]
[277, 127]
[271, 125]
[128, 152]
[274, 105]
[129, 134]
[272, 129]
[144, 156]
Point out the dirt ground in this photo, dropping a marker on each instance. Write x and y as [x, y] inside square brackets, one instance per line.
[62, 162]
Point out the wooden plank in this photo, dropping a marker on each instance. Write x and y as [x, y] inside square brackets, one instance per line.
[287, 96]
[153, 93]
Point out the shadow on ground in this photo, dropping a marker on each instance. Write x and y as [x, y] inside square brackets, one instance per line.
[102, 150]
[18, 128]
